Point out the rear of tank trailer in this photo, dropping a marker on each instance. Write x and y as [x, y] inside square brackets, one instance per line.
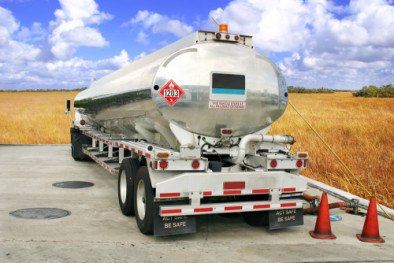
[185, 129]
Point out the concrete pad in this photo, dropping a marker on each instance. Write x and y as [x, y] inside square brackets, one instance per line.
[96, 231]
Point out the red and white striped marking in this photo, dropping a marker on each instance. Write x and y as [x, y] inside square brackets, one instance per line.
[141, 151]
[227, 208]
[260, 191]
[102, 164]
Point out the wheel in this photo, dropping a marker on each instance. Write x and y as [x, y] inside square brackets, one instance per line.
[126, 177]
[77, 140]
[143, 201]
[256, 218]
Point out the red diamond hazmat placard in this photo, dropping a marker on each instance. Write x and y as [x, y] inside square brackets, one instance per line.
[171, 92]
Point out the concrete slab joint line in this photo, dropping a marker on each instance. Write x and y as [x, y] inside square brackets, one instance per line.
[98, 232]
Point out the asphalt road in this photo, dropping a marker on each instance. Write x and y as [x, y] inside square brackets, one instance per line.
[96, 231]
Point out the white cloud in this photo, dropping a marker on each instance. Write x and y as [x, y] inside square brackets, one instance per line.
[33, 34]
[158, 23]
[321, 44]
[11, 50]
[142, 38]
[23, 60]
[51, 74]
[73, 27]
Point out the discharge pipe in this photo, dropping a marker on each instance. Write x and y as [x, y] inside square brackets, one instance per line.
[259, 138]
[314, 210]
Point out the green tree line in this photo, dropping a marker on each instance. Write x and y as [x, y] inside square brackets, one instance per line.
[385, 91]
[293, 89]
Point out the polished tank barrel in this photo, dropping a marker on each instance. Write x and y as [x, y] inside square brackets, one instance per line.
[202, 83]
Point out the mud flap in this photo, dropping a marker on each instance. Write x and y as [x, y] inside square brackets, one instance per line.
[172, 225]
[285, 218]
[77, 140]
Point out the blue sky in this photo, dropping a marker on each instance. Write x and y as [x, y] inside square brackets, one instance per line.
[316, 43]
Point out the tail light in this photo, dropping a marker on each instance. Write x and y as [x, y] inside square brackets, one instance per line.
[218, 36]
[163, 165]
[196, 164]
[273, 163]
[299, 163]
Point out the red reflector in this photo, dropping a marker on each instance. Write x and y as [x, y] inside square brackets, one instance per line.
[195, 164]
[171, 211]
[155, 165]
[163, 164]
[299, 163]
[208, 193]
[273, 163]
[236, 38]
[261, 206]
[288, 204]
[139, 152]
[261, 191]
[232, 192]
[290, 189]
[234, 185]
[305, 163]
[231, 208]
[227, 37]
[170, 194]
[218, 35]
[147, 155]
[202, 210]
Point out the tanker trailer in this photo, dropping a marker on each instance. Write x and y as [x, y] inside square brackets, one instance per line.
[185, 130]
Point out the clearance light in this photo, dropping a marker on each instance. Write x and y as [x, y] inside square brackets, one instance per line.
[82, 122]
[273, 163]
[163, 165]
[223, 28]
[163, 155]
[195, 164]
[218, 36]
[227, 132]
[299, 163]
[302, 155]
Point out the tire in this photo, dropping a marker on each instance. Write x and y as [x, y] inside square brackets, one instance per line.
[77, 140]
[143, 201]
[126, 177]
[256, 219]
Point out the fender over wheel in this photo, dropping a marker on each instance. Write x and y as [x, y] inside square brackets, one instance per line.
[77, 140]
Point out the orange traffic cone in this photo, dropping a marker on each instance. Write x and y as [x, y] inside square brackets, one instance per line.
[323, 225]
[371, 227]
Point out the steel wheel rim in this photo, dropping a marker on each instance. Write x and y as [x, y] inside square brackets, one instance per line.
[141, 199]
[123, 187]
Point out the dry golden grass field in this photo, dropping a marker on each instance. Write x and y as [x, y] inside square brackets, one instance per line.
[360, 130]
[34, 117]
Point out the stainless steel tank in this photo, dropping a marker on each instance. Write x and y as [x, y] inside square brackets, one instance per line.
[203, 83]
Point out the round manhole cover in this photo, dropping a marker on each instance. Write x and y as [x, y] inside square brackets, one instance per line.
[40, 213]
[73, 184]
